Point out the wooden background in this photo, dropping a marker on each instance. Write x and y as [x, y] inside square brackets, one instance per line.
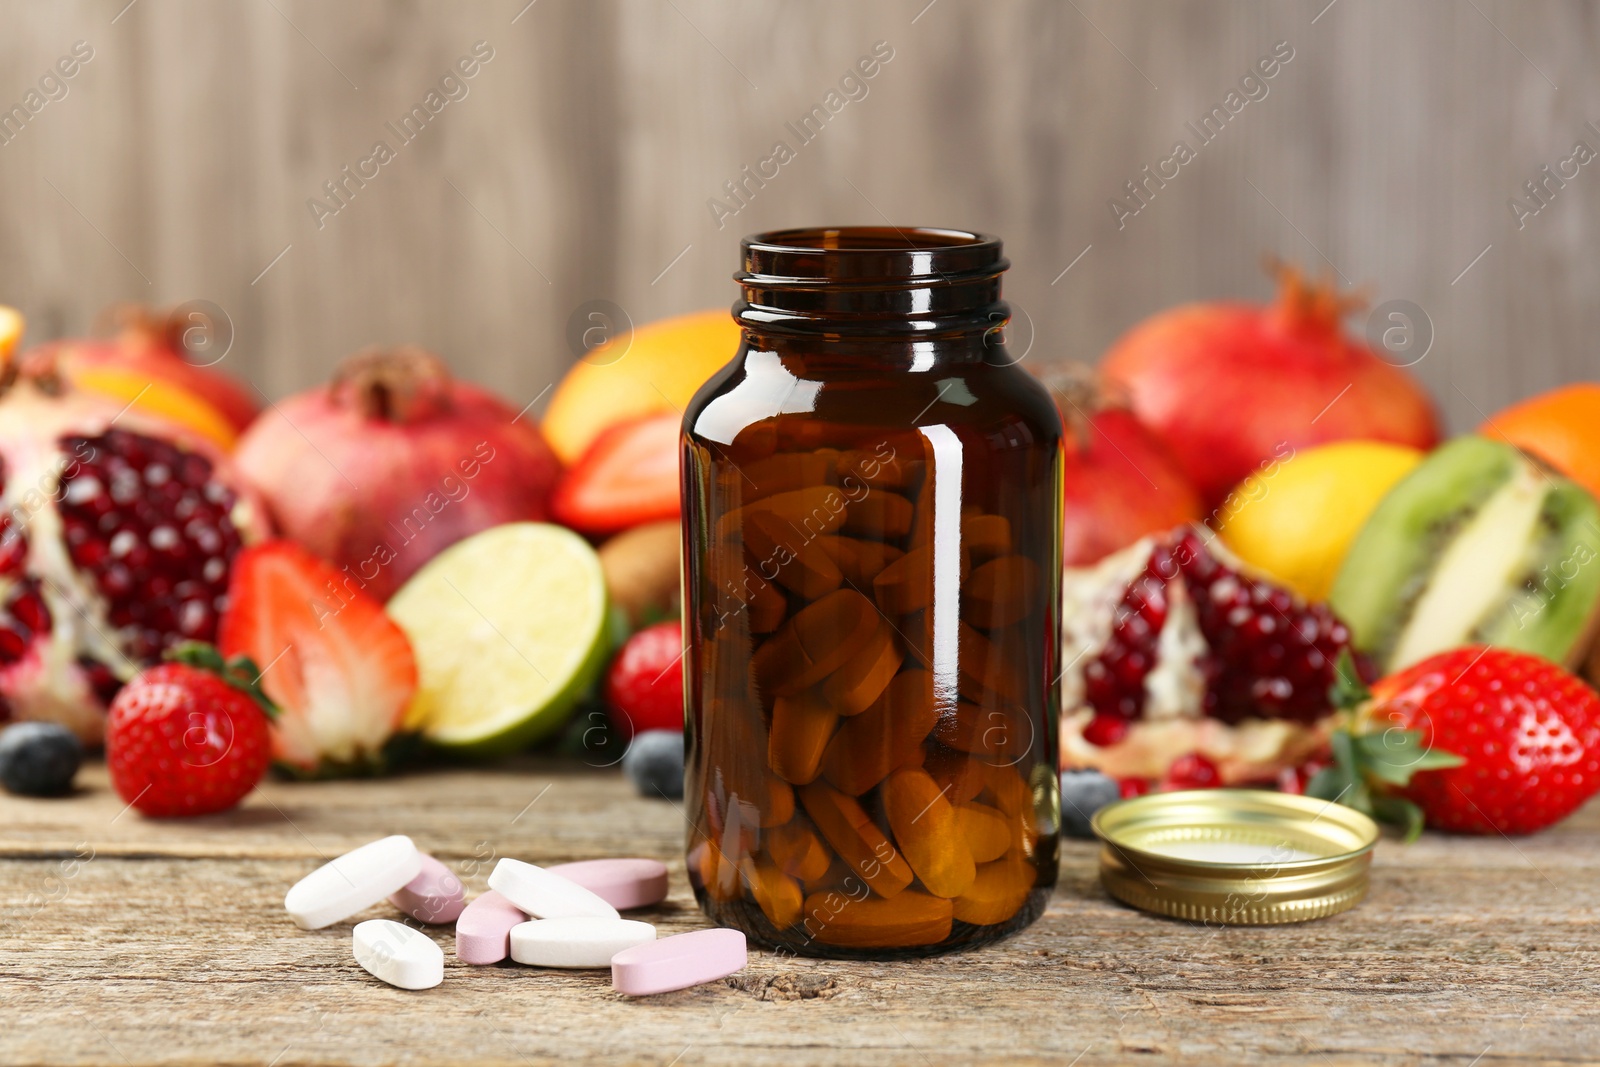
[579, 166]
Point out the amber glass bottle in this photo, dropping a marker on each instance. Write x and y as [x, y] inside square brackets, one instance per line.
[872, 524]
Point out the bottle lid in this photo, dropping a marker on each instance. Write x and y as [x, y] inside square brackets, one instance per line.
[1235, 856]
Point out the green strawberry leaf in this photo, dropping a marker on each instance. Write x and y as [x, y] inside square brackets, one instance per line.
[1348, 690]
[240, 672]
[1398, 811]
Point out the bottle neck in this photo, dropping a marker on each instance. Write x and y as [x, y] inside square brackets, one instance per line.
[879, 285]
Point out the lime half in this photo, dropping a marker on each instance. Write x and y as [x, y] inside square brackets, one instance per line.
[509, 628]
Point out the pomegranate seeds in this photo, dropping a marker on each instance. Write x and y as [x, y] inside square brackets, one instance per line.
[148, 522]
[1267, 654]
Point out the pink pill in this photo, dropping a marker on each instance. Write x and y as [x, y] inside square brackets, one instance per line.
[483, 931]
[623, 883]
[678, 962]
[435, 895]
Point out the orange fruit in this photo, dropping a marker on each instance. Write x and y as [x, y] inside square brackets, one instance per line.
[656, 368]
[171, 402]
[1561, 427]
[11, 327]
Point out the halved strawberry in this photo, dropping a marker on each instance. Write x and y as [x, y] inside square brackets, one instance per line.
[341, 671]
[627, 477]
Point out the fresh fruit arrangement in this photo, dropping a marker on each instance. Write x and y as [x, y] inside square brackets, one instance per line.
[1343, 550]
[1275, 575]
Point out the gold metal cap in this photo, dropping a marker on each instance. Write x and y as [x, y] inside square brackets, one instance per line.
[1239, 856]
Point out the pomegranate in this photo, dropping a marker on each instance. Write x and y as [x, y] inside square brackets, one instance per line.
[156, 345]
[1227, 385]
[1177, 655]
[1120, 484]
[393, 462]
[116, 537]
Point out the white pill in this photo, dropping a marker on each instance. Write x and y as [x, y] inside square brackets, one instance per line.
[395, 953]
[544, 895]
[580, 942]
[354, 882]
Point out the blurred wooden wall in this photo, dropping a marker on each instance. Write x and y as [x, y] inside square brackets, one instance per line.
[580, 162]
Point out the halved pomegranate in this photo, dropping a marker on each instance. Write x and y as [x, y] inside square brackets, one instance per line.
[116, 536]
[1185, 668]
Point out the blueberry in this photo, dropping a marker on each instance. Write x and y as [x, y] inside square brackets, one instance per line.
[654, 763]
[1082, 794]
[38, 759]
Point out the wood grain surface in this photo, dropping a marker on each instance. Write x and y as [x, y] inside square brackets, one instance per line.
[130, 941]
[581, 163]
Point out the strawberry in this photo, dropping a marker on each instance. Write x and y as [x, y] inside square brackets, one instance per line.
[644, 687]
[627, 477]
[1476, 740]
[339, 669]
[189, 737]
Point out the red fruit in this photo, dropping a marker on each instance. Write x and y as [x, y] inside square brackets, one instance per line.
[644, 687]
[1225, 386]
[181, 740]
[1120, 482]
[158, 345]
[393, 462]
[341, 672]
[1192, 771]
[115, 542]
[628, 476]
[1268, 654]
[1527, 731]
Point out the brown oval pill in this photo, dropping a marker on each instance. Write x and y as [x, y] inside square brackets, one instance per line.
[1001, 592]
[959, 772]
[779, 808]
[875, 468]
[860, 561]
[797, 850]
[985, 830]
[1010, 792]
[857, 840]
[777, 894]
[767, 608]
[801, 727]
[924, 825]
[885, 737]
[880, 514]
[998, 891]
[785, 472]
[809, 512]
[906, 585]
[815, 642]
[910, 919]
[853, 687]
[987, 668]
[986, 536]
[793, 562]
[991, 732]
[718, 875]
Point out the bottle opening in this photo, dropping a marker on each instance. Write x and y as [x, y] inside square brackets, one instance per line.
[881, 280]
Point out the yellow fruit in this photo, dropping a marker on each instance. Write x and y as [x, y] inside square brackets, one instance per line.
[1295, 519]
[656, 368]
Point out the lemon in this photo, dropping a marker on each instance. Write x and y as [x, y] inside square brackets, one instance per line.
[1296, 519]
[510, 627]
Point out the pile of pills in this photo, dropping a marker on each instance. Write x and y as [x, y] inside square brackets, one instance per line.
[566, 916]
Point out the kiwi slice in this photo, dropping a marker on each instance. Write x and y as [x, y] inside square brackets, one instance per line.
[1481, 544]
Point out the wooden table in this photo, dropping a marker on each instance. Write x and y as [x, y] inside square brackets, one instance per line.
[132, 941]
